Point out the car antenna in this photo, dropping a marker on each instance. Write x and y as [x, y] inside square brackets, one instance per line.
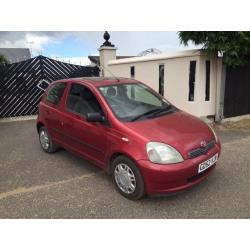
[101, 67]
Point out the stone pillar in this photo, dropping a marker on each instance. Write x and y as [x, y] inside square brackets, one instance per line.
[107, 52]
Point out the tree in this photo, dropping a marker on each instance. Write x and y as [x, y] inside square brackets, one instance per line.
[3, 60]
[234, 45]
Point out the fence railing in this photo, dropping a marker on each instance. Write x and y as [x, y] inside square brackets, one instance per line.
[23, 83]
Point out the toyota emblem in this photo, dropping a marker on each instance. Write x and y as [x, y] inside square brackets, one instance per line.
[203, 144]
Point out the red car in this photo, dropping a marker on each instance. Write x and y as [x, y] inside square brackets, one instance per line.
[146, 143]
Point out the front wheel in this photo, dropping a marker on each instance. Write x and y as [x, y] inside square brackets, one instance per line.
[45, 141]
[127, 178]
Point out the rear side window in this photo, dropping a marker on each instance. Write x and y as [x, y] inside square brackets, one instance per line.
[55, 93]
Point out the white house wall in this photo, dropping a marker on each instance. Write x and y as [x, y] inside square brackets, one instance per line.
[176, 81]
[207, 107]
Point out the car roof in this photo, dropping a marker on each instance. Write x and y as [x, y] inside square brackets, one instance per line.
[100, 81]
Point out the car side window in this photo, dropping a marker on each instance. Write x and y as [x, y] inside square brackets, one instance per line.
[81, 100]
[55, 93]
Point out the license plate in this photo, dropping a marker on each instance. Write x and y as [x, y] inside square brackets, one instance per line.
[208, 163]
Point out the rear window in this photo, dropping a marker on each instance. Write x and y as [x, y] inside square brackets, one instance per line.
[55, 93]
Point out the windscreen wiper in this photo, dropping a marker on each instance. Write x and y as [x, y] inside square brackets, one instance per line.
[162, 111]
[146, 114]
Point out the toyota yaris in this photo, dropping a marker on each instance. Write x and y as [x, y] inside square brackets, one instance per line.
[147, 144]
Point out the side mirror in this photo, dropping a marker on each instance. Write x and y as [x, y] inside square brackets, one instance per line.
[95, 117]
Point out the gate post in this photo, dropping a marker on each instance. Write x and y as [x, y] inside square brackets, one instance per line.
[107, 52]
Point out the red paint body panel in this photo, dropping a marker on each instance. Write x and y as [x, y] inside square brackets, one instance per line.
[99, 142]
[180, 130]
[174, 177]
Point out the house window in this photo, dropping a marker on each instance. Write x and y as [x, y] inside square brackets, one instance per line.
[192, 69]
[207, 93]
[132, 71]
[161, 79]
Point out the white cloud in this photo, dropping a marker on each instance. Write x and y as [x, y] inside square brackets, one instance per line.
[36, 42]
[128, 42]
[84, 61]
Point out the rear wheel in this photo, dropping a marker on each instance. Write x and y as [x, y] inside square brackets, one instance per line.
[127, 178]
[45, 141]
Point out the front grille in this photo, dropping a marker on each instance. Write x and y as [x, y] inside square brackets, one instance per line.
[201, 150]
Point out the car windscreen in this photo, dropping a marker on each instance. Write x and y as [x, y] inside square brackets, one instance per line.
[135, 101]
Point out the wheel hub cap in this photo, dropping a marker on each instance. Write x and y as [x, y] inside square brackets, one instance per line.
[44, 139]
[125, 178]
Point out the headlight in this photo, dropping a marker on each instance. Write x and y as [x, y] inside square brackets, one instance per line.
[215, 136]
[162, 153]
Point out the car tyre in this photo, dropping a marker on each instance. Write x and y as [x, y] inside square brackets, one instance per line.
[45, 141]
[127, 178]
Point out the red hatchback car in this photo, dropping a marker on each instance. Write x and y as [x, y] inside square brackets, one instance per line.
[146, 143]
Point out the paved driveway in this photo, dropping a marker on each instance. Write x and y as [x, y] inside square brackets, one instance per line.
[34, 184]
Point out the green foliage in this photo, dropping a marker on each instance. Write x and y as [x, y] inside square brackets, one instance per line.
[234, 45]
[3, 60]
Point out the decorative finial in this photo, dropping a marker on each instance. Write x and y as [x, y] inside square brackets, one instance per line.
[107, 43]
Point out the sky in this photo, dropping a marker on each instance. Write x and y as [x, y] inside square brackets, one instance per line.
[75, 47]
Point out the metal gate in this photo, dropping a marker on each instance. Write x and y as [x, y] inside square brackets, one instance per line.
[237, 91]
[23, 83]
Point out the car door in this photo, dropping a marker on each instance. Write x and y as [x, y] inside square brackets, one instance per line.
[86, 138]
[52, 110]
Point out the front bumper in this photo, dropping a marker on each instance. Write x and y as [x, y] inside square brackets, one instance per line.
[159, 178]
